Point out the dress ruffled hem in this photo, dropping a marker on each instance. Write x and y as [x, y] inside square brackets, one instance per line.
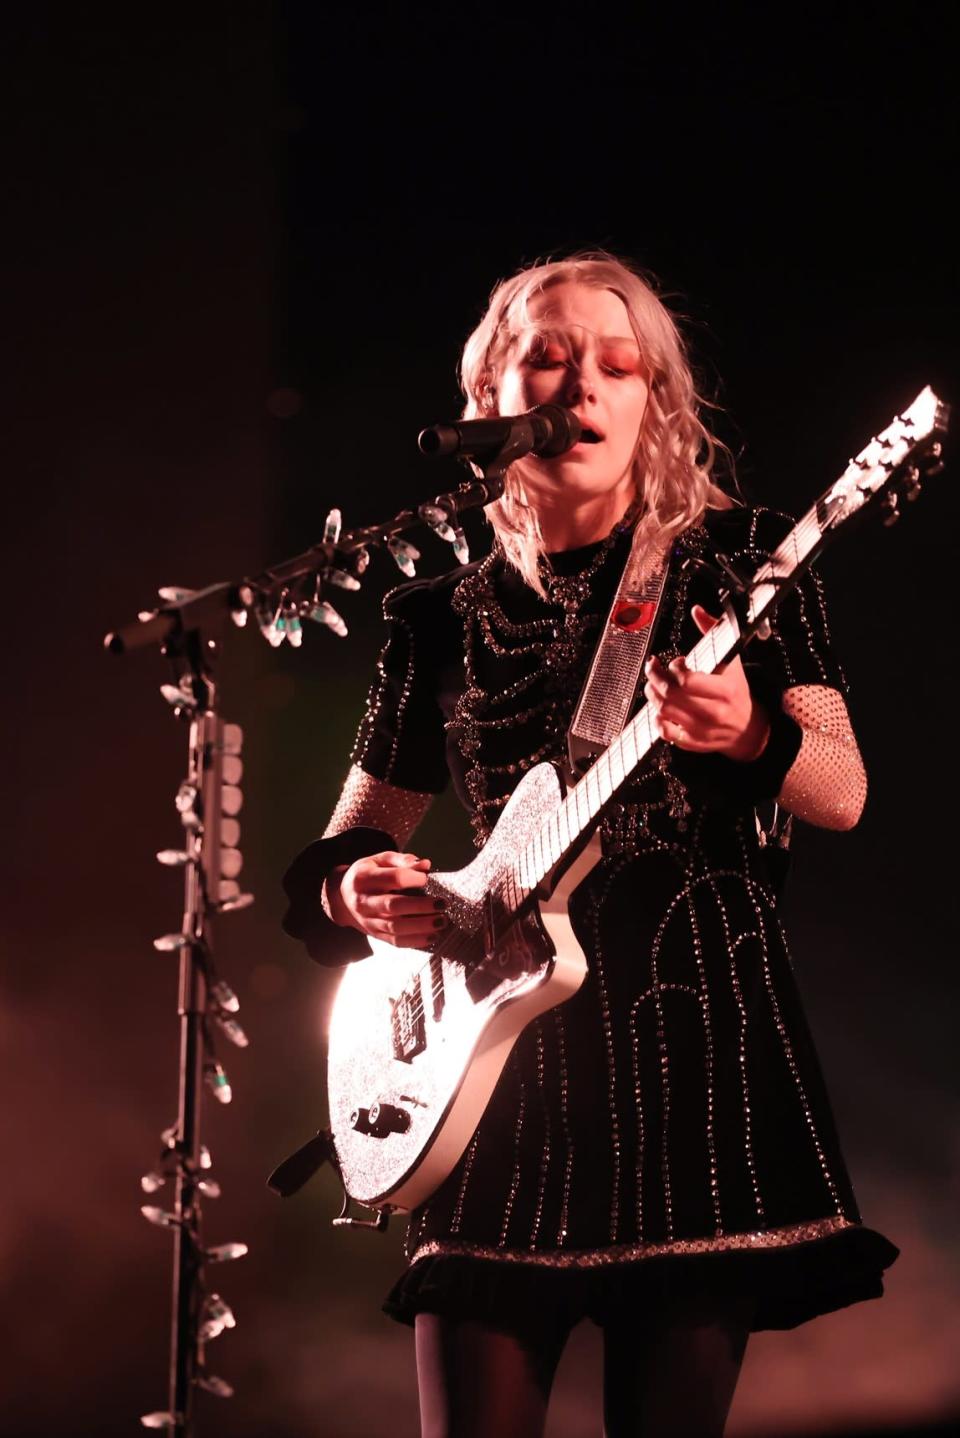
[790, 1284]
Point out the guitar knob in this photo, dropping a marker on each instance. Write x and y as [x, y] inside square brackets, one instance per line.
[384, 1118]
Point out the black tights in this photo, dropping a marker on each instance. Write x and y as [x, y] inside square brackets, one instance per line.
[669, 1378]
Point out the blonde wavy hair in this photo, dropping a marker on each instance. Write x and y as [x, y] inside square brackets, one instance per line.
[675, 452]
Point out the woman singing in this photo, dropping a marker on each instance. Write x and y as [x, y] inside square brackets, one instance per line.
[659, 1153]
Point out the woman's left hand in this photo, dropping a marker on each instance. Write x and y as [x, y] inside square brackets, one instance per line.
[706, 712]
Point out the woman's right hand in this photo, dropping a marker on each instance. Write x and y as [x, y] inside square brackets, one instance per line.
[374, 895]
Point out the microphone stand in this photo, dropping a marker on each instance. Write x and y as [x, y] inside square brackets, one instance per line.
[189, 628]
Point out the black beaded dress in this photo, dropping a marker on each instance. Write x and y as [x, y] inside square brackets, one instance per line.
[666, 1130]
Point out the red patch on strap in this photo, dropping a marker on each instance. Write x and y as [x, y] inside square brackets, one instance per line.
[632, 615]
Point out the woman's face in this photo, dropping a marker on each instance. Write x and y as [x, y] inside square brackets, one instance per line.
[580, 352]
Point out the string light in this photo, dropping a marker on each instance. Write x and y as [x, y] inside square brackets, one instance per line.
[325, 613]
[173, 858]
[404, 554]
[217, 1082]
[160, 1216]
[210, 1383]
[159, 1420]
[168, 943]
[226, 1252]
[233, 1031]
[224, 997]
[217, 1316]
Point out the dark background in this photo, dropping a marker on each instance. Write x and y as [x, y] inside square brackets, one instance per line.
[248, 241]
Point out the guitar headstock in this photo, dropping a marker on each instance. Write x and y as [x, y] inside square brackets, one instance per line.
[892, 465]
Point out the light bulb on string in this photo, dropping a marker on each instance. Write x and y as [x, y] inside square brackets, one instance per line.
[404, 555]
[217, 1082]
[216, 1316]
[226, 1252]
[233, 1031]
[210, 1383]
[224, 997]
[160, 1216]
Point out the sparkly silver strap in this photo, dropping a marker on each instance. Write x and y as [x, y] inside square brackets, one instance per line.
[617, 665]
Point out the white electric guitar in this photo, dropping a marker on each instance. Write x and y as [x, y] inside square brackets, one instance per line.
[418, 1040]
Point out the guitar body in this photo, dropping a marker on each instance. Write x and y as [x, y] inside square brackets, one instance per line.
[418, 1041]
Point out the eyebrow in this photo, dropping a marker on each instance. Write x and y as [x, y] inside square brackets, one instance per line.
[604, 339]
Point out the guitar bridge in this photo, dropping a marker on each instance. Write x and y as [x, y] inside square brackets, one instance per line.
[408, 1024]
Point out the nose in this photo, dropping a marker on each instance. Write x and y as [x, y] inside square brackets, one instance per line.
[581, 385]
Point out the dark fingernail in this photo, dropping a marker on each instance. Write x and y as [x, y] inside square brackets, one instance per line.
[439, 903]
[439, 923]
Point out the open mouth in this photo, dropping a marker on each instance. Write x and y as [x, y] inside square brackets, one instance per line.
[590, 436]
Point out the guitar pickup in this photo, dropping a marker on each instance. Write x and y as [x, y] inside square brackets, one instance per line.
[408, 1024]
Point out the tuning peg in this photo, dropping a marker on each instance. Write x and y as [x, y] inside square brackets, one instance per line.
[173, 858]
[460, 547]
[209, 1188]
[331, 528]
[151, 1181]
[174, 594]
[294, 631]
[888, 507]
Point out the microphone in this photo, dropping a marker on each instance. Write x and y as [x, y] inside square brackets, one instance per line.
[547, 430]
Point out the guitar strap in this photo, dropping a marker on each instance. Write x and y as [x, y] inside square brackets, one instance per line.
[616, 669]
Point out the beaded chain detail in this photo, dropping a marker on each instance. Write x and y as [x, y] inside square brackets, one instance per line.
[784, 1237]
[554, 646]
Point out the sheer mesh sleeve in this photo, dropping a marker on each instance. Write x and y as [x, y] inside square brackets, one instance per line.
[827, 783]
